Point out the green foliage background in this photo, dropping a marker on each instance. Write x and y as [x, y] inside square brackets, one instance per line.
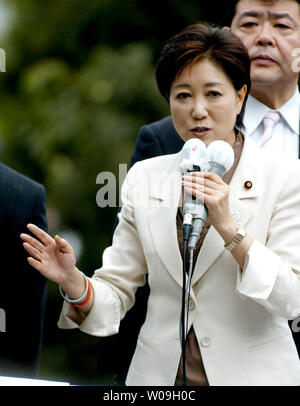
[79, 83]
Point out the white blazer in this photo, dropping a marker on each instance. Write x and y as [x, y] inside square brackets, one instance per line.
[240, 319]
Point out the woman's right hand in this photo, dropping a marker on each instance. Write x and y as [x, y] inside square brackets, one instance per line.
[54, 258]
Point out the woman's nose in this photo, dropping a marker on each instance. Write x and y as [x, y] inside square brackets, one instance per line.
[199, 110]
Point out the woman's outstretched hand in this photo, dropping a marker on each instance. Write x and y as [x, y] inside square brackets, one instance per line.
[54, 258]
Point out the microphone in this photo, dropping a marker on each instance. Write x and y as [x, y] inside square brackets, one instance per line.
[220, 158]
[194, 158]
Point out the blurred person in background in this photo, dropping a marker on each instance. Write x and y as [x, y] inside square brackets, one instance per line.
[22, 291]
[270, 29]
[243, 292]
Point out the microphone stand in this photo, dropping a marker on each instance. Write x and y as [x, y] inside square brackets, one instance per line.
[191, 230]
[220, 159]
[186, 231]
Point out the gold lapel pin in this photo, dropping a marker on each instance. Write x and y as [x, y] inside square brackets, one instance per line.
[248, 184]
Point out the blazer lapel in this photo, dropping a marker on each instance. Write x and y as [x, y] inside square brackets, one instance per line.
[165, 197]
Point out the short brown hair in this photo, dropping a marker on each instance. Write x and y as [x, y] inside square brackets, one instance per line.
[203, 41]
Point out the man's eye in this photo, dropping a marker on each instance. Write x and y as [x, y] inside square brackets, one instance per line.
[249, 24]
[283, 26]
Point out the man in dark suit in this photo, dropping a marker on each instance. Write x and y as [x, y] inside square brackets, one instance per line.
[159, 138]
[22, 289]
[271, 31]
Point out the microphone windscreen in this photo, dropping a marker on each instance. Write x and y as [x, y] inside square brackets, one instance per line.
[221, 153]
[194, 153]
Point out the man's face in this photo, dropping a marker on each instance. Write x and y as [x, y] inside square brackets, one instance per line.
[270, 32]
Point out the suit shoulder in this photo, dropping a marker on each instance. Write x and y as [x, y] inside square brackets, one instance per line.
[158, 125]
[162, 129]
[293, 166]
[281, 163]
[285, 171]
[271, 161]
[19, 183]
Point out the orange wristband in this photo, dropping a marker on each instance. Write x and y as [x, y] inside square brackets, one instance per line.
[87, 296]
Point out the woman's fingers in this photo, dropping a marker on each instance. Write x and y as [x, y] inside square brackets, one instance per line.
[40, 234]
[32, 241]
[32, 251]
[207, 179]
[36, 264]
[204, 182]
[210, 189]
[208, 176]
[201, 195]
[204, 189]
[192, 192]
[62, 244]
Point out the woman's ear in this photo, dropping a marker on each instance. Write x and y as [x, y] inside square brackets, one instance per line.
[241, 94]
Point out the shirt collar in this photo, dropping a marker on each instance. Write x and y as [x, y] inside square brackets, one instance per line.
[290, 111]
[255, 112]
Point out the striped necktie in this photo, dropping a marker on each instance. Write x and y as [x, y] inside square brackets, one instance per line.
[271, 118]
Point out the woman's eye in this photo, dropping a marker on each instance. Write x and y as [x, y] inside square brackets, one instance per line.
[214, 93]
[182, 96]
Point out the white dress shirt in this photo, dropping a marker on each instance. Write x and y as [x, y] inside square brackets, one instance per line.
[285, 135]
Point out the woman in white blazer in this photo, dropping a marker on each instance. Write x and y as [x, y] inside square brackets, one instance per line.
[242, 295]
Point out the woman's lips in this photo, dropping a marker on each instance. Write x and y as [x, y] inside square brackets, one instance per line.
[200, 132]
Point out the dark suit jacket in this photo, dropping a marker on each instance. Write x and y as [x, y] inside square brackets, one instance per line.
[159, 138]
[154, 139]
[22, 288]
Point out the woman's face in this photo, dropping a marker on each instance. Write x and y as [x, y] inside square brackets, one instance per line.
[204, 104]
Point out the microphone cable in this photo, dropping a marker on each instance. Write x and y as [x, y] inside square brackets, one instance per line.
[188, 289]
[188, 230]
[182, 327]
